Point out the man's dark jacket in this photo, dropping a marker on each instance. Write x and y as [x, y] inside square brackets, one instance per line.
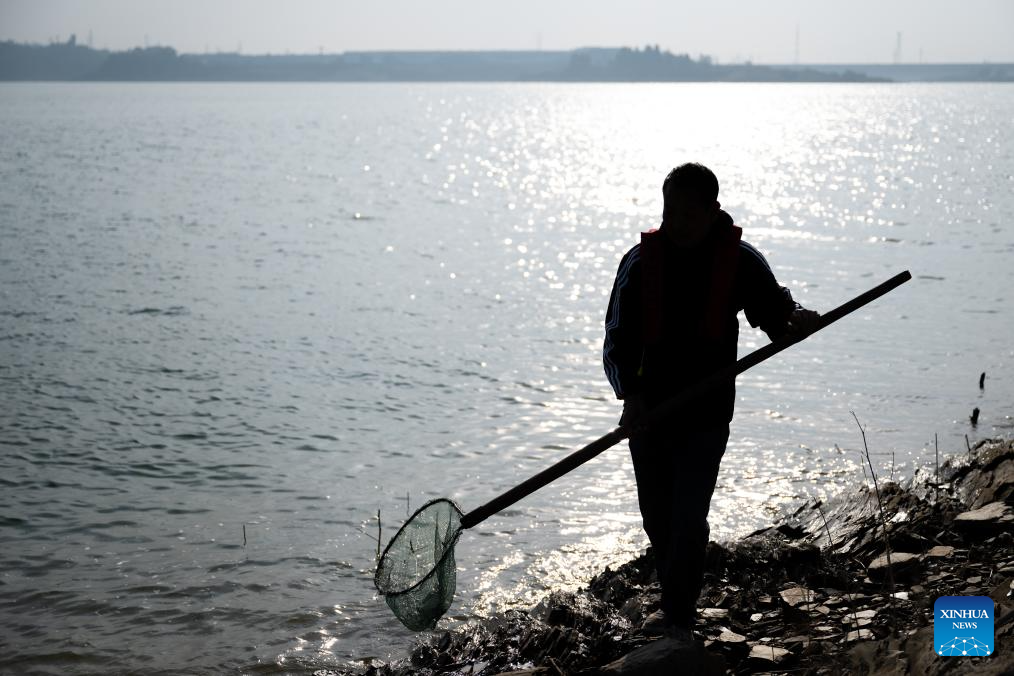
[685, 349]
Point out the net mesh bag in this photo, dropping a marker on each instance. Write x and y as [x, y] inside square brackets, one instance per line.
[416, 573]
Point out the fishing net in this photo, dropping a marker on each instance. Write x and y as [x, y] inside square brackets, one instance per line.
[416, 573]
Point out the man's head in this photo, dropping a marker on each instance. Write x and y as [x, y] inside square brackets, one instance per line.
[690, 193]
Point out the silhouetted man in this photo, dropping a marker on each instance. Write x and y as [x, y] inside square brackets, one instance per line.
[671, 321]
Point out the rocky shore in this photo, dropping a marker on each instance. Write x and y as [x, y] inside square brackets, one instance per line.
[814, 594]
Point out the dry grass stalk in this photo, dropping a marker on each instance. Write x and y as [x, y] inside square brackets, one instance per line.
[936, 481]
[883, 518]
[845, 576]
[377, 537]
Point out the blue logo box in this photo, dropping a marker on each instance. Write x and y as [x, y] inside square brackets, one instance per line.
[963, 626]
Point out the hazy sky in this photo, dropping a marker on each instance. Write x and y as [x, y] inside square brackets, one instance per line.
[730, 30]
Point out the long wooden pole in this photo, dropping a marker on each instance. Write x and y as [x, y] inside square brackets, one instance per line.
[666, 409]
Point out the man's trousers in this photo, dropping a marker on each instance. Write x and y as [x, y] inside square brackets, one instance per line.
[676, 471]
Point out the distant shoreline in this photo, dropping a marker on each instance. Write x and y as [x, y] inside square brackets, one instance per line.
[72, 62]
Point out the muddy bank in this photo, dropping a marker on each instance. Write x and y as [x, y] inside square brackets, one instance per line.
[813, 594]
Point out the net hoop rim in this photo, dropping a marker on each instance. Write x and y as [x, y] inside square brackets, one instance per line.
[447, 551]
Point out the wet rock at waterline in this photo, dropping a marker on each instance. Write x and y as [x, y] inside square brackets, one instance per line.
[810, 594]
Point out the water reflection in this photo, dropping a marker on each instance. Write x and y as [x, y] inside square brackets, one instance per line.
[437, 331]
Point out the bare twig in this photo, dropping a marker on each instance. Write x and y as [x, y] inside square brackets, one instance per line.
[827, 529]
[848, 579]
[378, 536]
[936, 450]
[244, 535]
[866, 481]
[366, 533]
[883, 518]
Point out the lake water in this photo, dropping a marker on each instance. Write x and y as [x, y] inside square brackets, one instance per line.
[238, 320]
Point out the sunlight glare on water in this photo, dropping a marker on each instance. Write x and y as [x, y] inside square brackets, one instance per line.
[239, 320]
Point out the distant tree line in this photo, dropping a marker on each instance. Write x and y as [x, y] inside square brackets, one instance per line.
[71, 61]
[58, 61]
[652, 64]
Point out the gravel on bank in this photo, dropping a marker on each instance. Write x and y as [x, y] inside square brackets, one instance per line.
[813, 594]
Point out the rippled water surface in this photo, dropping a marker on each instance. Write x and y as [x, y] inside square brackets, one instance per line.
[238, 320]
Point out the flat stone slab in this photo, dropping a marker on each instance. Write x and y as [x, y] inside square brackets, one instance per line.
[715, 613]
[940, 551]
[995, 516]
[901, 564]
[768, 653]
[795, 596]
[731, 637]
[863, 617]
[860, 635]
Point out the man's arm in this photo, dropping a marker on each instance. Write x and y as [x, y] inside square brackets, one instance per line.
[621, 351]
[769, 305]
